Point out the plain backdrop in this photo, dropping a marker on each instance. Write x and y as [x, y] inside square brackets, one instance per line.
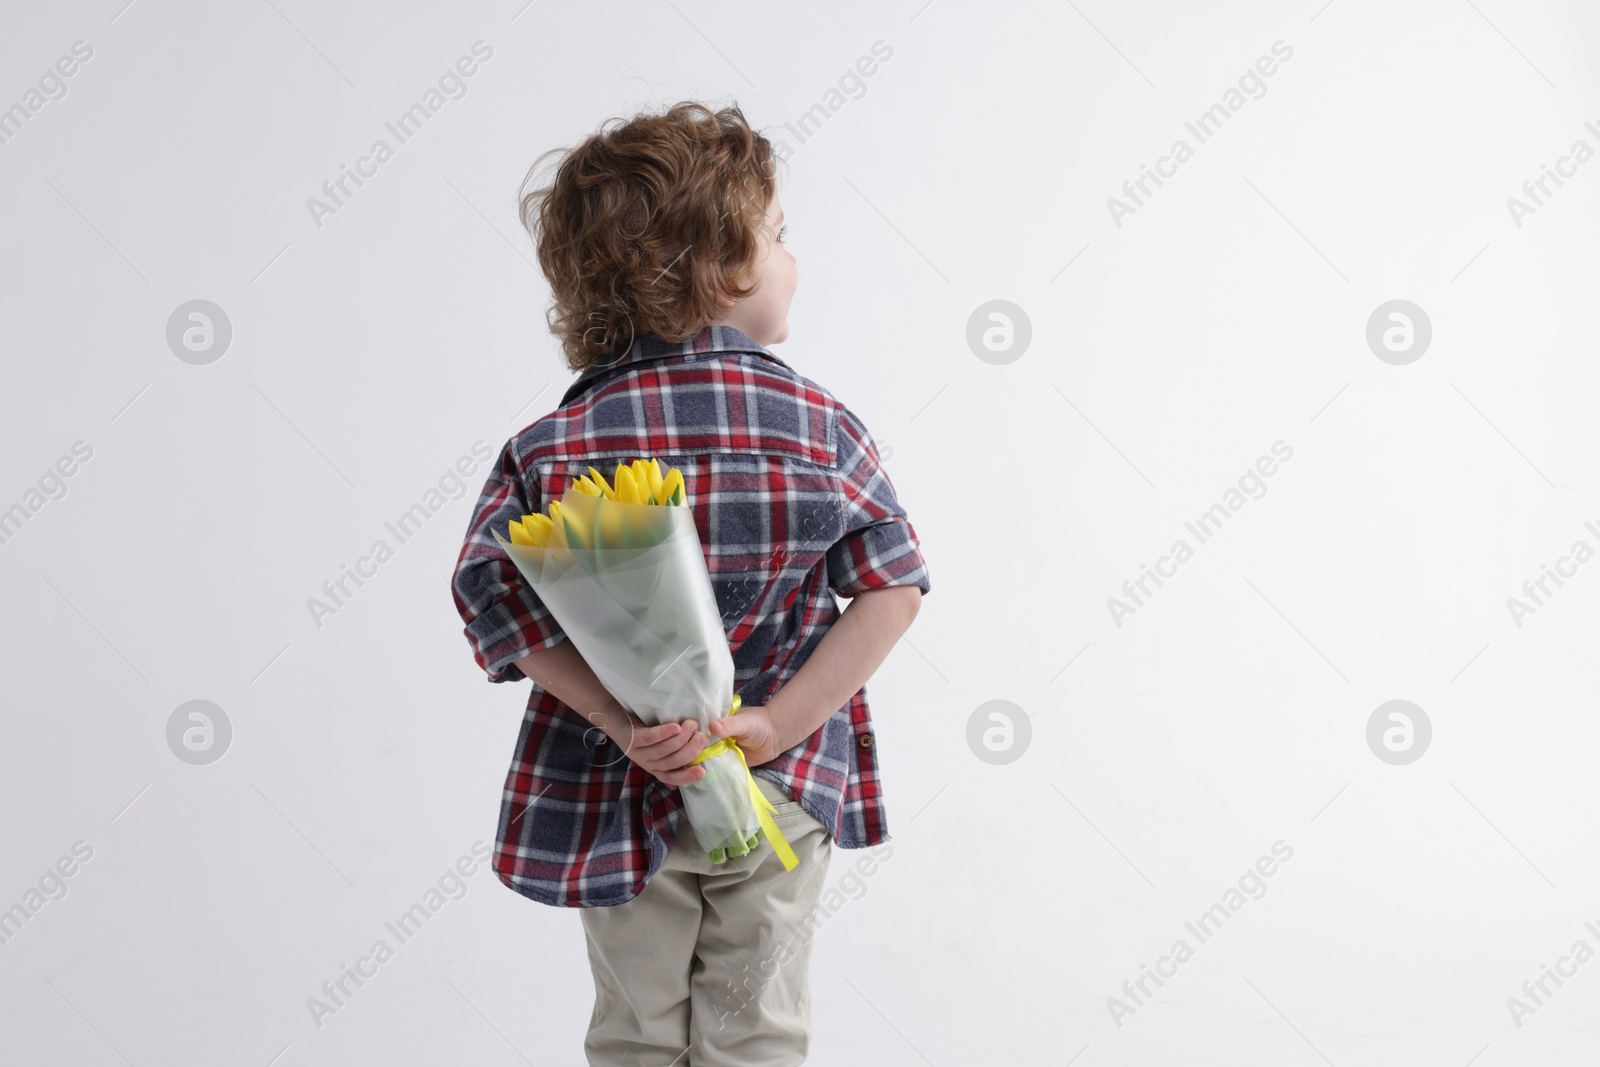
[1166, 749]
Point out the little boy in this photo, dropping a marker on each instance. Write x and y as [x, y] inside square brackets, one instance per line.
[661, 240]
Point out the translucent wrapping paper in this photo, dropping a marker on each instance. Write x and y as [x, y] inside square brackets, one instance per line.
[628, 584]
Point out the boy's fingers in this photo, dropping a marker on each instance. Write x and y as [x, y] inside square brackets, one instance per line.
[680, 753]
[681, 777]
[646, 737]
[667, 748]
[672, 753]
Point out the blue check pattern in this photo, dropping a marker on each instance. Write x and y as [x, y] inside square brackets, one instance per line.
[792, 505]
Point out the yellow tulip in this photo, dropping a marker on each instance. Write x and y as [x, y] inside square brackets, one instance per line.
[605, 486]
[570, 530]
[559, 527]
[608, 528]
[653, 481]
[532, 530]
[672, 490]
[627, 488]
[519, 536]
[538, 527]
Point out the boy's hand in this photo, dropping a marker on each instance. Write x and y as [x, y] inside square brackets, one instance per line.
[757, 734]
[666, 750]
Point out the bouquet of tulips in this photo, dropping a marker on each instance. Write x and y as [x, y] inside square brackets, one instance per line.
[621, 568]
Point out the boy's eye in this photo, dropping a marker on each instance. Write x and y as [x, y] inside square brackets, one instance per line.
[782, 230]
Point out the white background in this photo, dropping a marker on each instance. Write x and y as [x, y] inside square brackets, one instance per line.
[1228, 313]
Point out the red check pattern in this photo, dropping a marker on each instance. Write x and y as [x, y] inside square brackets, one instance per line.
[792, 505]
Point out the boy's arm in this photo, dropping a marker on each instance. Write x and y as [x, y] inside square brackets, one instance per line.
[562, 671]
[665, 750]
[846, 657]
[848, 654]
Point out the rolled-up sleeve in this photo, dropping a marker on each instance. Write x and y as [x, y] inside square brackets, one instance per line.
[877, 545]
[505, 619]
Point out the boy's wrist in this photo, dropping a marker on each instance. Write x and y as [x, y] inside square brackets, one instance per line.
[616, 721]
[780, 725]
[790, 725]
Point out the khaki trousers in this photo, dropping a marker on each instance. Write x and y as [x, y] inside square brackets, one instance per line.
[708, 965]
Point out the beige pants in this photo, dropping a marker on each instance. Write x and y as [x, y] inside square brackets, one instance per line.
[708, 965]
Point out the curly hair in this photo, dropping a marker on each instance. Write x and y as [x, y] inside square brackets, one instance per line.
[644, 224]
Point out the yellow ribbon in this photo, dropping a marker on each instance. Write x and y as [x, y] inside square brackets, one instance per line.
[764, 809]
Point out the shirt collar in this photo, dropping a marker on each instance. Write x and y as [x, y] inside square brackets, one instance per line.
[708, 340]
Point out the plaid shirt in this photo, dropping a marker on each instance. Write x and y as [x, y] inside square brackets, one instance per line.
[792, 505]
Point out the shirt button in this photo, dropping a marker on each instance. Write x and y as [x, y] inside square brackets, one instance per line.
[865, 740]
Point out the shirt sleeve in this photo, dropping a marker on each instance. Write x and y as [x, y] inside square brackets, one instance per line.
[505, 619]
[878, 545]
